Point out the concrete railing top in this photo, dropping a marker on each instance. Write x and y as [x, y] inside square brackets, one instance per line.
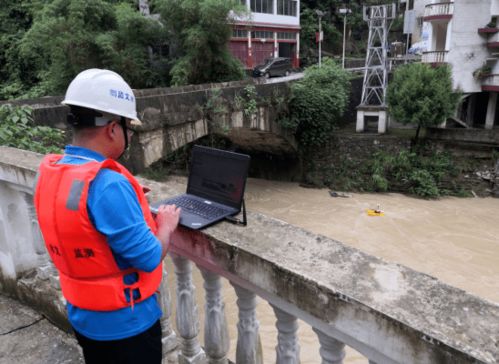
[381, 308]
[190, 88]
[50, 101]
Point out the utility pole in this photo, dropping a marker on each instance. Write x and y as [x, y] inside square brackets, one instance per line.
[379, 18]
[344, 11]
[320, 14]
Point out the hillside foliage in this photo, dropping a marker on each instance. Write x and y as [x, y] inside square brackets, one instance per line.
[199, 36]
[45, 43]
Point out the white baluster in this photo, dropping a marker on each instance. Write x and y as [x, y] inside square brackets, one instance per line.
[216, 333]
[287, 349]
[168, 336]
[249, 346]
[187, 313]
[332, 351]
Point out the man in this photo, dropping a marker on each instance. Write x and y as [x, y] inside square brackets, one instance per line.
[98, 229]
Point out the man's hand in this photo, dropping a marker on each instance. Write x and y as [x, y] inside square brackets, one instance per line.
[167, 221]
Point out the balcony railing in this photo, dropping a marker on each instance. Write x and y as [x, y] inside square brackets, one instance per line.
[438, 11]
[490, 82]
[434, 57]
[389, 313]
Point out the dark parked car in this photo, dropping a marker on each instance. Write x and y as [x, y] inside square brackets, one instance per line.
[279, 66]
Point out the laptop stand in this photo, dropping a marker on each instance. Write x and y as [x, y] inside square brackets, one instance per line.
[235, 220]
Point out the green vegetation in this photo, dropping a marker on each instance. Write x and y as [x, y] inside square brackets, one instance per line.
[15, 19]
[44, 44]
[317, 103]
[246, 101]
[199, 35]
[216, 103]
[420, 174]
[64, 37]
[332, 26]
[216, 111]
[426, 173]
[17, 130]
[421, 95]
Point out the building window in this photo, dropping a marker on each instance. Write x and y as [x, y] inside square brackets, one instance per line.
[262, 6]
[286, 35]
[262, 34]
[286, 7]
[239, 33]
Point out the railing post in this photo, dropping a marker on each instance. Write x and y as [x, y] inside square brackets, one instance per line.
[249, 346]
[287, 349]
[187, 313]
[216, 333]
[332, 351]
[168, 336]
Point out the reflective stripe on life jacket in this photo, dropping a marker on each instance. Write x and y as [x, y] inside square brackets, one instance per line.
[89, 276]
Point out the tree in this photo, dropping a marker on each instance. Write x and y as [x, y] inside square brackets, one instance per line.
[422, 95]
[200, 31]
[16, 18]
[309, 26]
[318, 102]
[332, 25]
[68, 36]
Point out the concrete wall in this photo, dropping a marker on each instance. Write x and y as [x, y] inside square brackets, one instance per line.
[487, 137]
[388, 312]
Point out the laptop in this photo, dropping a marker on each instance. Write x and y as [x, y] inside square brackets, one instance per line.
[215, 188]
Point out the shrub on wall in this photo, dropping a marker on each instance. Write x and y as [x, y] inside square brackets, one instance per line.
[64, 37]
[424, 173]
[317, 103]
[17, 130]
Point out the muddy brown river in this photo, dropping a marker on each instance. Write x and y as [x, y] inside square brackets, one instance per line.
[453, 239]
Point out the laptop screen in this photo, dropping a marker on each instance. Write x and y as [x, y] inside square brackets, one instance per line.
[218, 175]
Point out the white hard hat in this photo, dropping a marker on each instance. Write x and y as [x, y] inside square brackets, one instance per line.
[104, 91]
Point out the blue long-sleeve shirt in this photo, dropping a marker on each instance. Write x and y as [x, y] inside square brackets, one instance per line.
[116, 213]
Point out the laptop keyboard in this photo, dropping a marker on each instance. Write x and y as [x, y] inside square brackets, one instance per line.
[199, 208]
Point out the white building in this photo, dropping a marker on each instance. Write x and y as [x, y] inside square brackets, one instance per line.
[465, 35]
[271, 29]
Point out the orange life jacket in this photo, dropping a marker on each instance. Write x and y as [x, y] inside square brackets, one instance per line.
[89, 276]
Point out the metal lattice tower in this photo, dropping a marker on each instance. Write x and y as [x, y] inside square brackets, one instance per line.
[379, 19]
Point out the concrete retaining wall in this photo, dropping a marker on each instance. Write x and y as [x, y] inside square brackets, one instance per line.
[479, 136]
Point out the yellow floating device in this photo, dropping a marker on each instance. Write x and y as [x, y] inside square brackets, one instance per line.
[372, 212]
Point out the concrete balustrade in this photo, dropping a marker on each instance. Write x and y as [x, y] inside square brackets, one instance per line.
[387, 312]
[439, 9]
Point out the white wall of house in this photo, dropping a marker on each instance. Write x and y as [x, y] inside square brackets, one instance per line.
[276, 19]
[419, 33]
[494, 7]
[468, 49]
